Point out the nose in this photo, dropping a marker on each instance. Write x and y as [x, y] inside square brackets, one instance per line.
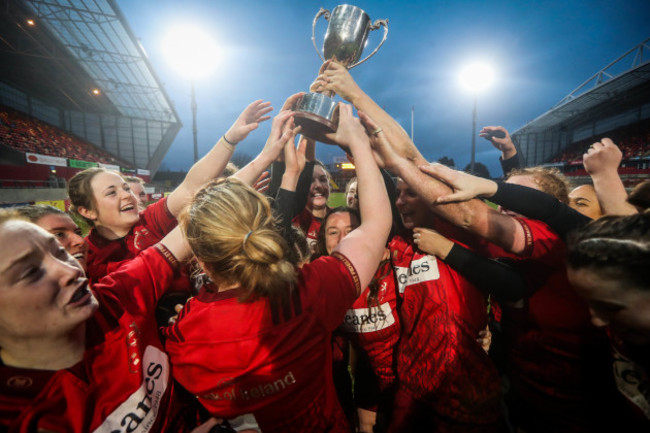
[400, 200]
[76, 240]
[66, 273]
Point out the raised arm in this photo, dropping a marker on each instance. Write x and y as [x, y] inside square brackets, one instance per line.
[509, 159]
[521, 199]
[212, 164]
[282, 131]
[601, 162]
[336, 78]
[365, 245]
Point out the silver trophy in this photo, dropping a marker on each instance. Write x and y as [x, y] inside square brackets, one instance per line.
[345, 39]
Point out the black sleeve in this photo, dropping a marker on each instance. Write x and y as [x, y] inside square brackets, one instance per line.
[507, 165]
[302, 189]
[277, 170]
[283, 206]
[539, 205]
[488, 275]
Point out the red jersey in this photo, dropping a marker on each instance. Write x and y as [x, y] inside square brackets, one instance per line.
[104, 256]
[123, 383]
[374, 326]
[557, 358]
[439, 362]
[310, 225]
[240, 357]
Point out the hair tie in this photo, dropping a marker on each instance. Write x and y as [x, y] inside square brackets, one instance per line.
[246, 238]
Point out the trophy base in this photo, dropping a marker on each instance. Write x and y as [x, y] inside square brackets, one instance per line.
[314, 126]
[316, 114]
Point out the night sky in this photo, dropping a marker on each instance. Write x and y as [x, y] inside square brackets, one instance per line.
[540, 51]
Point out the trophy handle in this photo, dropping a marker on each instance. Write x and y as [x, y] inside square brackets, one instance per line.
[374, 26]
[327, 15]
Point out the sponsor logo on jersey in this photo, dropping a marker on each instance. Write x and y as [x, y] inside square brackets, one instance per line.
[138, 413]
[236, 392]
[419, 271]
[364, 320]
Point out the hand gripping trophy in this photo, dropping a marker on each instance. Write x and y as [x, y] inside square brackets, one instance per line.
[345, 39]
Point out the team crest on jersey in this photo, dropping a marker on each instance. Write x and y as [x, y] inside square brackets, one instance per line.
[140, 238]
[419, 271]
[364, 320]
[138, 413]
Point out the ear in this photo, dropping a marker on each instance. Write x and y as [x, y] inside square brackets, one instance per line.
[87, 213]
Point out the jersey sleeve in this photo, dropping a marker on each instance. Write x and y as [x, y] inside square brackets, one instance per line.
[157, 218]
[138, 283]
[331, 285]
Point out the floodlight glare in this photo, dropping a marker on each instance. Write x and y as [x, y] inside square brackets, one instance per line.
[477, 77]
[192, 52]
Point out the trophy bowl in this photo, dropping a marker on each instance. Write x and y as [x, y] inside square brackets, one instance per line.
[345, 39]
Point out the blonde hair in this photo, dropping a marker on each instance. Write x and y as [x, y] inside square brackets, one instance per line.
[232, 230]
[550, 180]
[7, 215]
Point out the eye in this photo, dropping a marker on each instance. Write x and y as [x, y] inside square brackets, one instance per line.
[127, 188]
[78, 232]
[59, 235]
[111, 192]
[30, 273]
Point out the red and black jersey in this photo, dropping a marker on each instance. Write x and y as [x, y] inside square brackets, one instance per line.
[104, 256]
[557, 362]
[123, 383]
[310, 225]
[241, 357]
[439, 362]
[373, 325]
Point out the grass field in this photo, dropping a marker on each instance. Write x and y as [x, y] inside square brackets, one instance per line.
[336, 199]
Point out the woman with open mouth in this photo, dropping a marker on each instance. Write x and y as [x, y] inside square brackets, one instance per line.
[77, 357]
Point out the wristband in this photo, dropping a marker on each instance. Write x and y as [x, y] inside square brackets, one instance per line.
[228, 141]
[227, 144]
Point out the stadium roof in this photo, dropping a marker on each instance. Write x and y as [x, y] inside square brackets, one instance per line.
[630, 71]
[97, 35]
[59, 51]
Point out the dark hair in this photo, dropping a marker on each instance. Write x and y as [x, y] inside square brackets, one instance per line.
[640, 196]
[35, 212]
[321, 248]
[299, 250]
[616, 246]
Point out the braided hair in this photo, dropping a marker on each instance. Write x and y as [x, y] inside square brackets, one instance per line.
[616, 246]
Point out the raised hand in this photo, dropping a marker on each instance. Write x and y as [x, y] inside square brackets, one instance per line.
[465, 186]
[505, 145]
[248, 120]
[282, 131]
[334, 77]
[602, 156]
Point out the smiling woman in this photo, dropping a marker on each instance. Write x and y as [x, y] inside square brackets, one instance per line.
[119, 232]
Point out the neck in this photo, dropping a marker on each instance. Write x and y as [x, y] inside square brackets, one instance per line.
[46, 353]
[319, 212]
[112, 233]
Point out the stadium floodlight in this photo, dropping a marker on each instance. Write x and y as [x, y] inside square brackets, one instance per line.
[190, 51]
[193, 54]
[476, 77]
